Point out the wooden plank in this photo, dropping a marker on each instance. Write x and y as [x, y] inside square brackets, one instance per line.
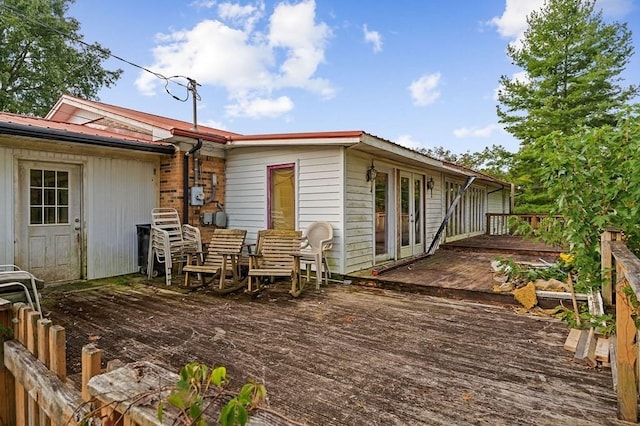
[586, 348]
[32, 346]
[91, 359]
[58, 351]
[605, 267]
[572, 340]
[627, 265]
[613, 361]
[602, 349]
[560, 295]
[7, 384]
[22, 397]
[124, 387]
[61, 403]
[627, 390]
[44, 325]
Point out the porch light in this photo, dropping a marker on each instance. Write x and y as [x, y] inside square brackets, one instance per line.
[372, 173]
[430, 185]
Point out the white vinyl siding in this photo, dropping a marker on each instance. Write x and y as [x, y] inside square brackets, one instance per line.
[433, 207]
[499, 201]
[359, 214]
[6, 207]
[318, 190]
[118, 194]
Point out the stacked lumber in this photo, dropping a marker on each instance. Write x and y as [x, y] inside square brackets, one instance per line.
[588, 346]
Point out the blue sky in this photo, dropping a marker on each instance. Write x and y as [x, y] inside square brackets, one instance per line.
[420, 73]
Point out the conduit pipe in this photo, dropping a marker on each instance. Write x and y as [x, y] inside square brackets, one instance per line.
[185, 181]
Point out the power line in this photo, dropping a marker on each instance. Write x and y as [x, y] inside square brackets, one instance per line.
[191, 86]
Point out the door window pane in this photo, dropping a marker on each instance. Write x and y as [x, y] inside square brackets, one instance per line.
[382, 220]
[48, 197]
[417, 203]
[405, 191]
[282, 198]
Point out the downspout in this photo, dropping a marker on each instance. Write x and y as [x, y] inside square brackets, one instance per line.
[185, 181]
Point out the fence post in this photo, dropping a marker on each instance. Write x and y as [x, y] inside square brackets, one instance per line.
[627, 388]
[20, 330]
[605, 263]
[58, 351]
[91, 360]
[44, 325]
[605, 268]
[7, 383]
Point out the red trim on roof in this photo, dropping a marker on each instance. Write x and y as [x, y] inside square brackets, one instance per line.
[42, 123]
[169, 124]
[304, 135]
[197, 134]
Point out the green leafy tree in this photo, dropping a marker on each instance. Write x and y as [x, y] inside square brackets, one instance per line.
[594, 176]
[494, 161]
[573, 61]
[42, 56]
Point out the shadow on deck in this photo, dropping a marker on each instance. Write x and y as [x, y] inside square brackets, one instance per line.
[458, 270]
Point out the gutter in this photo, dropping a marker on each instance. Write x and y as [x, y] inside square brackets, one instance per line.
[14, 129]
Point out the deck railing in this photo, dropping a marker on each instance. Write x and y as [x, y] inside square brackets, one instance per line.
[621, 270]
[33, 378]
[506, 223]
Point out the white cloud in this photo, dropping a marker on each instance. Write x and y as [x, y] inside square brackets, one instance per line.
[260, 107]
[513, 21]
[408, 142]
[203, 4]
[424, 90]
[374, 38]
[293, 28]
[477, 132]
[249, 56]
[245, 16]
[215, 124]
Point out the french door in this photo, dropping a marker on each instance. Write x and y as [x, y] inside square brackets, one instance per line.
[411, 214]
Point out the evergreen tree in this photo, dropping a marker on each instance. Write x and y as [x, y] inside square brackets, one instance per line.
[42, 56]
[573, 61]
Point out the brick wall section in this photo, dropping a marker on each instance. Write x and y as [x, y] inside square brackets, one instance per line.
[171, 187]
[171, 182]
[208, 166]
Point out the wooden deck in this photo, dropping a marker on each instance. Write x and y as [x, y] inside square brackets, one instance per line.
[459, 270]
[349, 354]
[503, 244]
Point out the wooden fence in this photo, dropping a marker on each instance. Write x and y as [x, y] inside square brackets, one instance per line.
[34, 389]
[621, 271]
[503, 223]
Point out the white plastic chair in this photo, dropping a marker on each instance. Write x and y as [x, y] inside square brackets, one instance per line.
[317, 239]
[170, 241]
[10, 275]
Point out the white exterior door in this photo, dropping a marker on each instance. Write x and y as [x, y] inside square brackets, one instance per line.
[411, 214]
[49, 224]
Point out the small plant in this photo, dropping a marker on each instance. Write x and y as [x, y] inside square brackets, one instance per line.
[237, 410]
[6, 333]
[521, 275]
[198, 387]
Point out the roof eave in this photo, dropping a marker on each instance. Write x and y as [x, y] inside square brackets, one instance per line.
[14, 129]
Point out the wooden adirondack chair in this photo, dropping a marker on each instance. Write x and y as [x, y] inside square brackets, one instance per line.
[170, 241]
[279, 257]
[224, 251]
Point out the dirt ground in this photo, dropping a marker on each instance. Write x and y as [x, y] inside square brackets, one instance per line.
[347, 355]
